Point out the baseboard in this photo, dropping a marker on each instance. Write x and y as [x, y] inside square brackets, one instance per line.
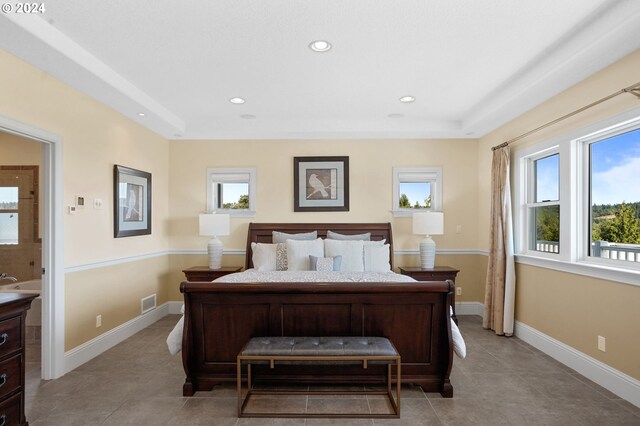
[469, 308]
[175, 307]
[609, 378]
[94, 347]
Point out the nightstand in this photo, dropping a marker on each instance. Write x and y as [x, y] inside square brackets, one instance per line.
[203, 273]
[437, 273]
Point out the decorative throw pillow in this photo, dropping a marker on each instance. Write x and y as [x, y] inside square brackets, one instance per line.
[264, 256]
[281, 257]
[376, 258]
[352, 253]
[282, 237]
[335, 236]
[298, 252]
[325, 264]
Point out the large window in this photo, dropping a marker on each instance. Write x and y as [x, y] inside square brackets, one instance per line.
[577, 200]
[416, 189]
[613, 208]
[231, 191]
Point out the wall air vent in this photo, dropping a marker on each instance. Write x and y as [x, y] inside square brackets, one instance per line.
[148, 303]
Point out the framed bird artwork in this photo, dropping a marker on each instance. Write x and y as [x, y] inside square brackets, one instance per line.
[320, 184]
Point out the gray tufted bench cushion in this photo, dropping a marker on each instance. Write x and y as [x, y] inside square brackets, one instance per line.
[319, 350]
[320, 346]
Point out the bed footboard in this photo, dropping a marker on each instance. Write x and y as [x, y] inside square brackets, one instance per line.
[221, 317]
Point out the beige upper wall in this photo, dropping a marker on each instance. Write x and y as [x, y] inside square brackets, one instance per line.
[94, 138]
[574, 309]
[370, 179]
[617, 76]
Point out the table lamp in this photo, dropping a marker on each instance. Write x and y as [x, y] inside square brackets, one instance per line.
[428, 223]
[214, 225]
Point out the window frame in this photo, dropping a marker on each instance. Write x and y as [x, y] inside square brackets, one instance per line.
[530, 203]
[15, 211]
[432, 175]
[574, 198]
[230, 175]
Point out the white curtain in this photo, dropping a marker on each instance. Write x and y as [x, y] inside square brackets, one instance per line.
[500, 290]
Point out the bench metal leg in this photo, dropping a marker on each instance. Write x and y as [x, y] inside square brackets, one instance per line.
[393, 399]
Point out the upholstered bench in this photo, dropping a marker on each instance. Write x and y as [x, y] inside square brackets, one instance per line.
[319, 350]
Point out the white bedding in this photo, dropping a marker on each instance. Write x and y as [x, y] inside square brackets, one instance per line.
[174, 341]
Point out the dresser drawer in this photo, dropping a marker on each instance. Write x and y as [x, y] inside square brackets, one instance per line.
[10, 411]
[10, 375]
[10, 335]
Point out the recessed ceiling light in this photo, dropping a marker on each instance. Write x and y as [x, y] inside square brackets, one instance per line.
[395, 115]
[248, 116]
[320, 46]
[407, 99]
[141, 114]
[237, 101]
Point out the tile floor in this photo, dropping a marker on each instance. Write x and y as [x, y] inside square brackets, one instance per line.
[139, 383]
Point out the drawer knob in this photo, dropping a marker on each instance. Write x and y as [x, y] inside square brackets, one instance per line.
[3, 380]
[3, 340]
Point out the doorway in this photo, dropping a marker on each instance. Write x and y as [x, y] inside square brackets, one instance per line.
[42, 212]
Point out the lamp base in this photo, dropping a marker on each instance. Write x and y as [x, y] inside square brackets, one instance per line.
[427, 253]
[214, 248]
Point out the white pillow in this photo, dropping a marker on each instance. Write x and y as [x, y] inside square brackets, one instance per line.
[298, 252]
[264, 256]
[282, 237]
[336, 236]
[376, 258]
[352, 252]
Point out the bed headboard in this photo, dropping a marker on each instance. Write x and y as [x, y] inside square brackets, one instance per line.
[261, 233]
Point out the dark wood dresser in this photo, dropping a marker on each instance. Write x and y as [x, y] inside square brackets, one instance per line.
[13, 312]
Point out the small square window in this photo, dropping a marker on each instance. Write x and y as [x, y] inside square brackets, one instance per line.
[416, 188]
[232, 191]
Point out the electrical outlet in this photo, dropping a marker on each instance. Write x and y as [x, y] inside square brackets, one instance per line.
[602, 344]
[97, 203]
[458, 229]
[458, 291]
[71, 209]
[98, 321]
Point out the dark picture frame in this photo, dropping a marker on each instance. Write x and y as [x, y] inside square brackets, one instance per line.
[131, 202]
[320, 184]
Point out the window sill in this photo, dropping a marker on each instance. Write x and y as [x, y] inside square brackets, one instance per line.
[237, 213]
[625, 276]
[408, 212]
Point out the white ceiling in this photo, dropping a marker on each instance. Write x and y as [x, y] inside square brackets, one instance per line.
[472, 65]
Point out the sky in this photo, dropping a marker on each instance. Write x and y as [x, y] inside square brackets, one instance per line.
[615, 168]
[233, 191]
[415, 191]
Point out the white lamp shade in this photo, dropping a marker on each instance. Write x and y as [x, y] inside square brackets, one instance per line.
[428, 223]
[214, 224]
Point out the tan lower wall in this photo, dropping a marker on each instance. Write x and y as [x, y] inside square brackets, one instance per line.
[576, 309]
[473, 269]
[114, 292]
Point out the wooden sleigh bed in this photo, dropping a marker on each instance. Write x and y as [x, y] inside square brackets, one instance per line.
[221, 317]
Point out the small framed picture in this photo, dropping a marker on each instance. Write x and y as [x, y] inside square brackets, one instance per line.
[320, 184]
[132, 202]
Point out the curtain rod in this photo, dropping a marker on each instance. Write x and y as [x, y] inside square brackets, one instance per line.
[633, 89]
